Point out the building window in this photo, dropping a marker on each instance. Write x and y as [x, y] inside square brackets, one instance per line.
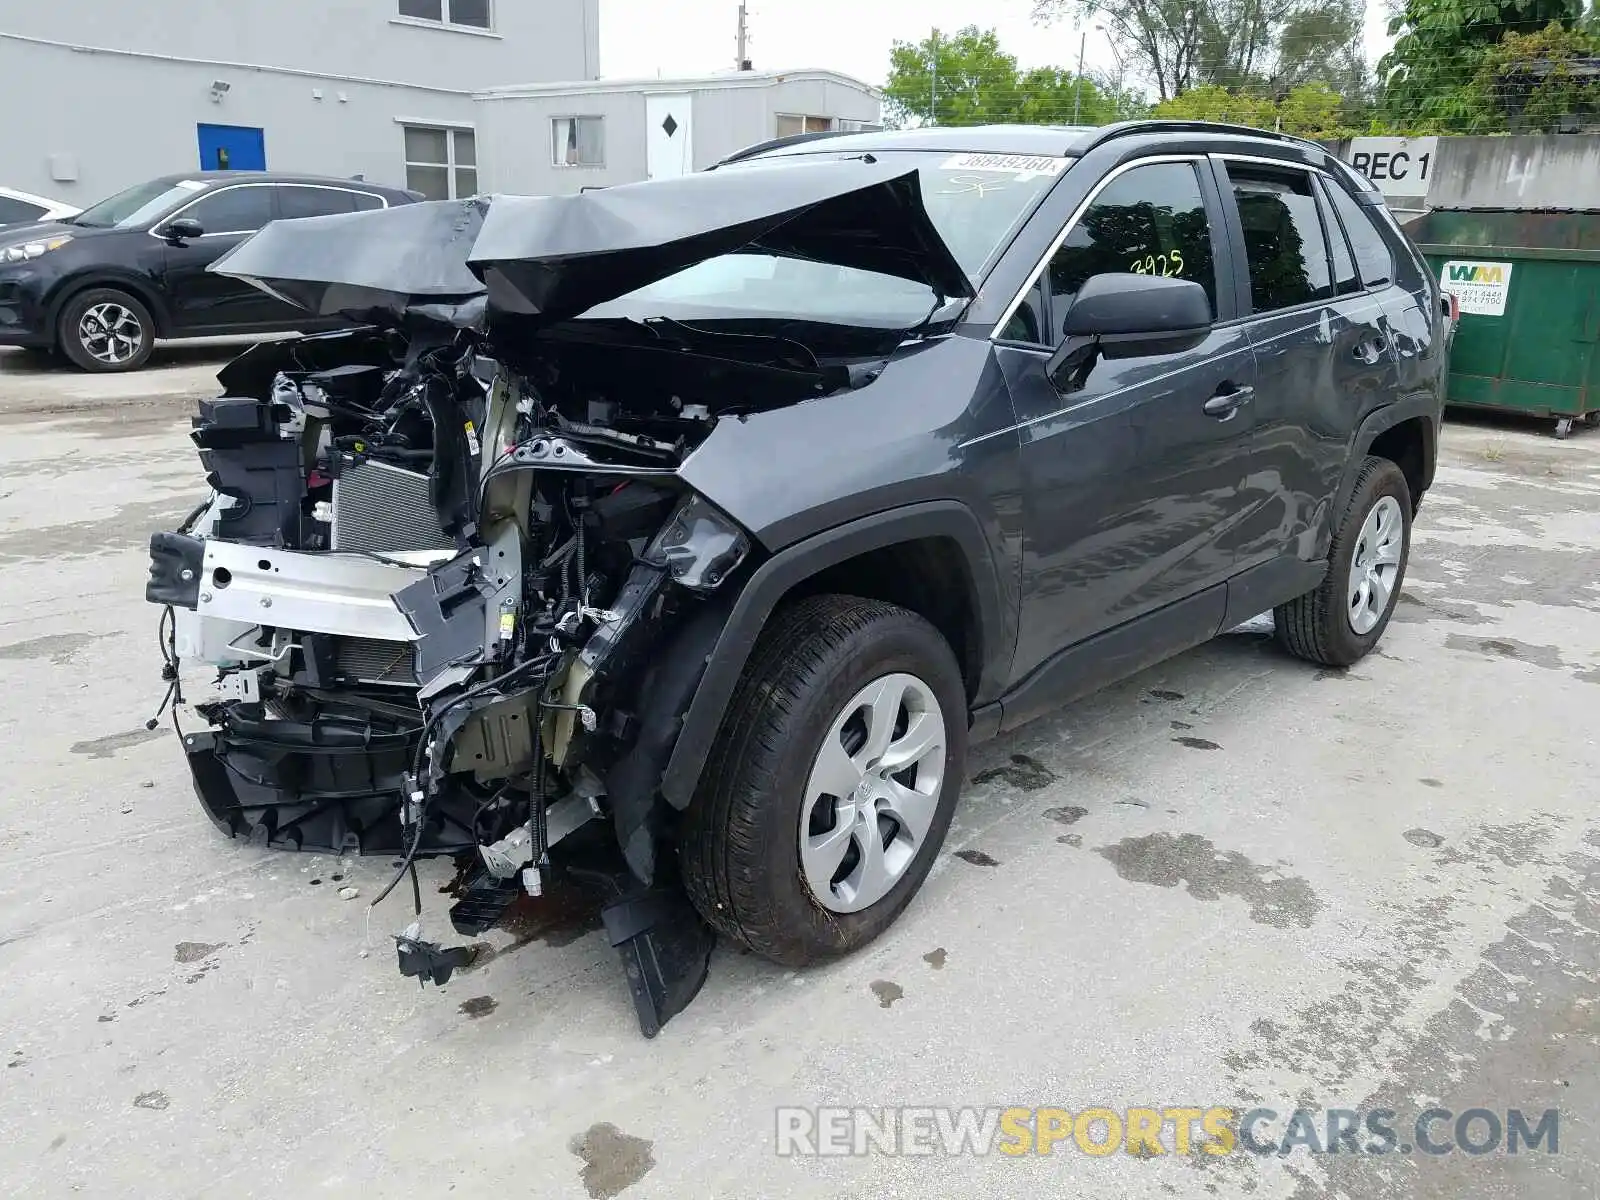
[442, 164]
[472, 14]
[578, 141]
[790, 124]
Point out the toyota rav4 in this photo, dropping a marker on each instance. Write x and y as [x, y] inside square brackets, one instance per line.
[679, 538]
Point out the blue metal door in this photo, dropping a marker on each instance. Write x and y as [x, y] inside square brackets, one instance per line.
[232, 148]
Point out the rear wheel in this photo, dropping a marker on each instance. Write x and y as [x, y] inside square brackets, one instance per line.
[104, 329]
[1339, 621]
[833, 782]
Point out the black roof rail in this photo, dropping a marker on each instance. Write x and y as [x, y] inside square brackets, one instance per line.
[793, 139]
[1127, 128]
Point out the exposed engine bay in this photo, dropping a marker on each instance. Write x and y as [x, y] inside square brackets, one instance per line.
[455, 589]
[460, 591]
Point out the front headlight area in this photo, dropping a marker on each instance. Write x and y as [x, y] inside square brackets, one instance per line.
[28, 251]
[699, 546]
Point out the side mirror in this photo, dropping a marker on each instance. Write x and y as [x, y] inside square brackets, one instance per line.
[1127, 316]
[1130, 309]
[183, 229]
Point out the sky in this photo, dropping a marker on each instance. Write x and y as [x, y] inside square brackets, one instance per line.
[694, 37]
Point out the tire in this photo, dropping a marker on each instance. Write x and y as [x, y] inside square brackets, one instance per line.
[741, 847]
[132, 325]
[1320, 626]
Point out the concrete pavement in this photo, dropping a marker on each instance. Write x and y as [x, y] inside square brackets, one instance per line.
[1234, 880]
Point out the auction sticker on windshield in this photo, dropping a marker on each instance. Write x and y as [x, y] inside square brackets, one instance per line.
[1481, 288]
[1023, 166]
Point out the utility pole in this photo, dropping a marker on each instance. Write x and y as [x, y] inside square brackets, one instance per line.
[742, 63]
[933, 86]
[1077, 84]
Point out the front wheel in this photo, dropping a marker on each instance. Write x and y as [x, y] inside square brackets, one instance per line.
[832, 786]
[104, 329]
[1339, 621]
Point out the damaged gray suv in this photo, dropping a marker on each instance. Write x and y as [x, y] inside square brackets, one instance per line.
[675, 540]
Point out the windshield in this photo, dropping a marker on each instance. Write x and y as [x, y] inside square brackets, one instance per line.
[139, 205]
[976, 201]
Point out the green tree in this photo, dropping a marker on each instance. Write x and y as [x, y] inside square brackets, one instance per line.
[1051, 96]
[1267, 46]
[969, 80]
[1311, 108]
[1431, 76]
[1212, 102]
[1534, 80]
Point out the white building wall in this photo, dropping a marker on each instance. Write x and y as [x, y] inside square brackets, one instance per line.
[532, 40]
[118, 87]
[123, 119]
[515, 142]
[515, 124]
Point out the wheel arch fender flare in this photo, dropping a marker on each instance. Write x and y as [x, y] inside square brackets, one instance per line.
[792, 566]
[139, 289]
[1373, 425]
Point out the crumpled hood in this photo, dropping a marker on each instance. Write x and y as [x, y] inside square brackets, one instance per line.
[384, 260]
[558, 256]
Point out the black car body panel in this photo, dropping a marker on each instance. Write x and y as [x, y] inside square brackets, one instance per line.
[617, 507]
[168, 275]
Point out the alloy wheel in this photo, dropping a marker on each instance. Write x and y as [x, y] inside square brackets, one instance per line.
[872, 793]
[1375, 566]
[110, 333]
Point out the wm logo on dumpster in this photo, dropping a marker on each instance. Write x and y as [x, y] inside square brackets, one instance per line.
[1477, 273]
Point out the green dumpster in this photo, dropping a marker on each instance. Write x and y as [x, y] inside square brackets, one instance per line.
[1528, 284]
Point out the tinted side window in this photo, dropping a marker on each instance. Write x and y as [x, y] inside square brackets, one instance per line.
[1372, 252]
[16, 212]
[366, 201]
[1149, 221]
[1287, 254]
[234, 210]
[313, 202]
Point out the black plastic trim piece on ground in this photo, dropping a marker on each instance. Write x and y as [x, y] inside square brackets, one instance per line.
[484, 901]
[665, 945]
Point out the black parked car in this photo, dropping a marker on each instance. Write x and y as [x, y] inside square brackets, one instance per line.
[795, 478]
[101, 286]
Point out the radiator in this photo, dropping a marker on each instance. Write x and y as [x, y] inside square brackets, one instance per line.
[369, 661]
[385, 510]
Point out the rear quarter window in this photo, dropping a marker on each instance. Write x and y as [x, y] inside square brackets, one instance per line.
[1373, 258]
[298, 201]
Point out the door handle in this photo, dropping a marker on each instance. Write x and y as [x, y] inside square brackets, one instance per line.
[1225, 404]
[1370, 351]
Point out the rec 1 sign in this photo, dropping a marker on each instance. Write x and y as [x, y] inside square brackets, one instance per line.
[1396, 166]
